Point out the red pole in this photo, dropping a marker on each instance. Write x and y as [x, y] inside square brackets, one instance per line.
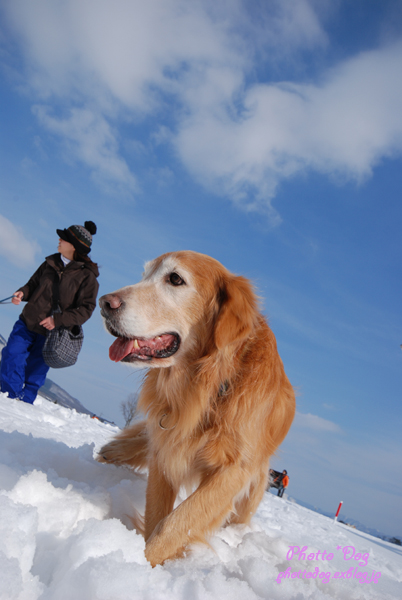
[339, 510]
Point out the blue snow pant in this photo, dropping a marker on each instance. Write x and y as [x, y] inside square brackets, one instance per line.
[23, 370]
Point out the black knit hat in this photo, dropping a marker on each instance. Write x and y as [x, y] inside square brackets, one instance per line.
[80, 237]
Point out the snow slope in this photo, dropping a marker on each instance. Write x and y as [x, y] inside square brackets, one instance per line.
[53, 392]
[64, 533]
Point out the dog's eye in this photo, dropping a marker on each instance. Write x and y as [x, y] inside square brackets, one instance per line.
[175, 279]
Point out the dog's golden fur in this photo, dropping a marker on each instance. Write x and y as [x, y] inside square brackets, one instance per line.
[216, 410]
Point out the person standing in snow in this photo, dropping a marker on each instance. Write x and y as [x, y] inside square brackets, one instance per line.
[283, 484]
[72, 276]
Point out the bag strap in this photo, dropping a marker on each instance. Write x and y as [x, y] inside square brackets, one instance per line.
[56, 295]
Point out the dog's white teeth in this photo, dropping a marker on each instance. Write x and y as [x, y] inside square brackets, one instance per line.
[136, 344]
[158, 337]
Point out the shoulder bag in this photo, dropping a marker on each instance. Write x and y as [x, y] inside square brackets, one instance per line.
[62, 345]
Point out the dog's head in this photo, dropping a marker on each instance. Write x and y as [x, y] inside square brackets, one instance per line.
[186, 304]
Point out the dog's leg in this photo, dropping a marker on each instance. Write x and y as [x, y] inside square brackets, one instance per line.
[160, 499]
[204, 511]
[130, 447]
[247, 506]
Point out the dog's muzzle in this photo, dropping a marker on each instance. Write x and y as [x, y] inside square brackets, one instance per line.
[132, 348]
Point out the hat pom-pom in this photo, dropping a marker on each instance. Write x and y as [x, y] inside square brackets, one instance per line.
[90, 226]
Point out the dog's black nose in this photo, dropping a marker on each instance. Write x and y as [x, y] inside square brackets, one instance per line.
[109, 303]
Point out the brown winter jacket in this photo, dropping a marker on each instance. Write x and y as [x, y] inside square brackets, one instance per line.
[78, 288]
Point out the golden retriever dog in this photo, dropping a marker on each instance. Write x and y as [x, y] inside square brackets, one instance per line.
[216, 398]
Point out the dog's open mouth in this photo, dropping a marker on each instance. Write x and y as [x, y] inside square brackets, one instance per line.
[127, 350]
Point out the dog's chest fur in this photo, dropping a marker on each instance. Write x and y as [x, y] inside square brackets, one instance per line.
[179, 459]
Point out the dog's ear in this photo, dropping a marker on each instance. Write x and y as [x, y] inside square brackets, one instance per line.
[237, 313]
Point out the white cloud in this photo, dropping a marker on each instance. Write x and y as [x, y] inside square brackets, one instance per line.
[279, 29]
[89, 138]
[14, 246]
[343, 126]
[129, 59]
[124, 50]
[315, 423]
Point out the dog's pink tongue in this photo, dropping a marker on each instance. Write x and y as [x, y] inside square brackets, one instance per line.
[120, 348]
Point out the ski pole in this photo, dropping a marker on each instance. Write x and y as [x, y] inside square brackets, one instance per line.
[4, 301]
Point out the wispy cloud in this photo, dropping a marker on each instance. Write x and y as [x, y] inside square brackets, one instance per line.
[342, 126]
[14, 246]
[315, 423]
[89, 138]
[236, 136]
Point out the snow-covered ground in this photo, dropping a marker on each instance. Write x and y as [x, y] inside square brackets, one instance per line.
[64, 533]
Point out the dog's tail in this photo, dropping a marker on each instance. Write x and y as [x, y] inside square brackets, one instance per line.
[138, 521]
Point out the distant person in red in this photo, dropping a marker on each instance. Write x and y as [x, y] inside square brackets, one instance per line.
[283, 482]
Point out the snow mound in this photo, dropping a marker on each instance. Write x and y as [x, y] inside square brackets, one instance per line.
[65, 532]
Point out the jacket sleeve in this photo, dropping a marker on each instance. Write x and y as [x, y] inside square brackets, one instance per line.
[32, 284]
[83, 307]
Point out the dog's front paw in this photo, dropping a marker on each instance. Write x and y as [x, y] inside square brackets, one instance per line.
[153, 557]
[113, 453]
[162, 546]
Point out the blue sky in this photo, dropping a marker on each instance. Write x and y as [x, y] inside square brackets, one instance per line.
[265, 134]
